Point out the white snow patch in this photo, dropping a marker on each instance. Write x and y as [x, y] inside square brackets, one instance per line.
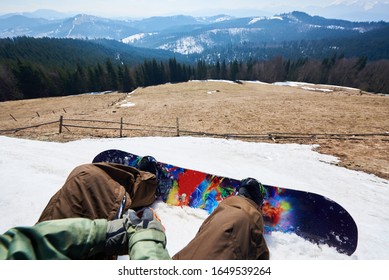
[256, 19]
[317, 89]
[133, 38]
[128, 104]
[186, 45]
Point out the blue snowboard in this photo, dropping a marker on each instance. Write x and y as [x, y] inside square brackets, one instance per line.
[309, 215]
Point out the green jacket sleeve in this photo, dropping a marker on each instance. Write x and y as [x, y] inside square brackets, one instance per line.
[75, 238]
[148, 244]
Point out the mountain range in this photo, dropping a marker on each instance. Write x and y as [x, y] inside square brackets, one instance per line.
[196, 36]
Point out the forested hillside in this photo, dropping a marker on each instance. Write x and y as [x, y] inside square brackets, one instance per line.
[41, 67]
[33, 68]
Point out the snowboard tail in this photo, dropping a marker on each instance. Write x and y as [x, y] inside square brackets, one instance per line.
[309, 215]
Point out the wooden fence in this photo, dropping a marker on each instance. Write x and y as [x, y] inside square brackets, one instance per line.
[121, 127]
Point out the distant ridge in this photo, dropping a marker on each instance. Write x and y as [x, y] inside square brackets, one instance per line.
[205, 37]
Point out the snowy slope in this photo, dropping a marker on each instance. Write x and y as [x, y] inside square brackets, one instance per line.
[32, 171]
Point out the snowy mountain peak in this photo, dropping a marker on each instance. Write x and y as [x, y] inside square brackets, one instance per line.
[214, 19]
[186, 34]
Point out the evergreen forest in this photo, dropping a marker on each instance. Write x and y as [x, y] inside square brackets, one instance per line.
[45, 67]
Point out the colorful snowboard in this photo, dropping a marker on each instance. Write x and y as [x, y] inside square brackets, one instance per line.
[309, 215]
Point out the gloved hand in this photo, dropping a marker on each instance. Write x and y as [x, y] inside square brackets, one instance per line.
[119, 231]
[146, 239]
[116, 238]
[146, 219]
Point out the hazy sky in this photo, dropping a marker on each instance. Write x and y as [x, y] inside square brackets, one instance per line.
[146, 8]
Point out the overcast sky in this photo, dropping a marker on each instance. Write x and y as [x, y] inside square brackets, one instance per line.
[147, 8]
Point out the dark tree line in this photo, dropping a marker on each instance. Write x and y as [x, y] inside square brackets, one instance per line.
[28, 71]
[25, 80]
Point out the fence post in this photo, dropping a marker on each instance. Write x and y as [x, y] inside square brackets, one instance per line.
[60, 123]
[178, 127]
[121, 127]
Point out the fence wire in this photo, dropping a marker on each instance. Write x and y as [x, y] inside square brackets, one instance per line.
[177, 131]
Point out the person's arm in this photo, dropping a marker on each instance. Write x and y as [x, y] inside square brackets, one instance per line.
[79, 238]
[75, 238]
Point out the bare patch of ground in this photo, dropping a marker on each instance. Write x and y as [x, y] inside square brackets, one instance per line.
[224, 108]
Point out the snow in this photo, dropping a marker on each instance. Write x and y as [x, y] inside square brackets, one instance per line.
[216, 81]
[290, 84]
[221, 19]
[133, 38]
[255, 20]
[197, 44]
[310, 86]
[237, 31]
[276, 18]
[317, 89]
[185, 45]
[127, 104]
[32, 171]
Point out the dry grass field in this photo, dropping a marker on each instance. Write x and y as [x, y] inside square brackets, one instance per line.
[211, 107]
